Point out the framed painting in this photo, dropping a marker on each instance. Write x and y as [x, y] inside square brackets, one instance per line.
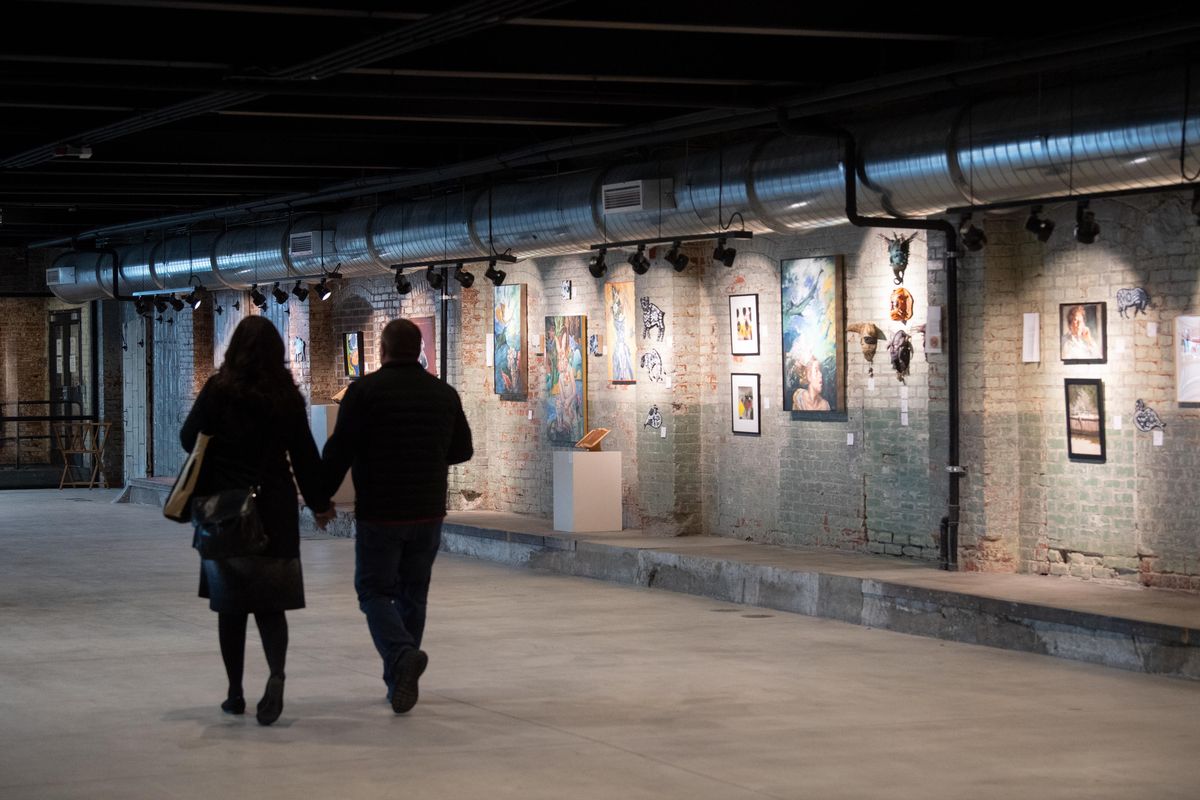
[566, 379]
[745, 403]
[1085, 419]
[743, 324]
[814, 352]
[352, 354]
[511, 351]
[620, 311]
[429, 352]
[1187, 359]
[1083, 333]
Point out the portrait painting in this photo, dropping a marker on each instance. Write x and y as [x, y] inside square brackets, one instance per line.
[1187, 359]
[620, 315]
[1085, 419]
[1082, 328]
[743, 324]
[745, 405]
[566, 379]
[814, 384]
[429, 352]
[510, 353]
[352, 354]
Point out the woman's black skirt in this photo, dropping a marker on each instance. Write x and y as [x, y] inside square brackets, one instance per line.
[248, 584]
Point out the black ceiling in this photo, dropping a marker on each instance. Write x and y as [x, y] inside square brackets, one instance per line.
[191, 105]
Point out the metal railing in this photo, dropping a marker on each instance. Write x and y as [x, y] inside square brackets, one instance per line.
[11, 432]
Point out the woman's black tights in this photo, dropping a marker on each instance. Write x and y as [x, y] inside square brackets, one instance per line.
[272, 627]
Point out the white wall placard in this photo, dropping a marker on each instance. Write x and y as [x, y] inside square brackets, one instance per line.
[1152, 329]
[871, 384]
[904, 419]
[933, 329]
[489, 350]
[662, 432]
[1117, 422]
[1158, 437]
[849, 439]
[1031, 343]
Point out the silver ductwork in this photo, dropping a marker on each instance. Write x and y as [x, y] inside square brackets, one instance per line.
[1114, 136]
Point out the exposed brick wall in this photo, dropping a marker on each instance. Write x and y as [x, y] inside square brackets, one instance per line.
[24, 375]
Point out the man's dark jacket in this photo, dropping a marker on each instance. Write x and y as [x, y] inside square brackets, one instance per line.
[399, 429]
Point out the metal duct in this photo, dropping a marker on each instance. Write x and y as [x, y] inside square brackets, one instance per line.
[1117, 135]
[176, 262]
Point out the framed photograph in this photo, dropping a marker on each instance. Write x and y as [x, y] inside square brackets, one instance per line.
[1083, 333]
[746, 405]
[352, 354]
[429, 352]
[510, 354]
[566, 379]
[743, 324]
[1085, 419]
[814, 343]
[1187, 359]
[620, 311]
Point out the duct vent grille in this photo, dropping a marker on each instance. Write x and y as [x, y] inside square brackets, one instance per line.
[311, 243]
[60, 276]
[622, 198]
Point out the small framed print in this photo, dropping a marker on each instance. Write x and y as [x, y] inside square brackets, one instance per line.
[743, 324]
[1083, 333]
[1085, 419]
[352, 354]
[746, 403]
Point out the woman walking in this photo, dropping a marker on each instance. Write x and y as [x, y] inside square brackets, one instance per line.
[256, 416]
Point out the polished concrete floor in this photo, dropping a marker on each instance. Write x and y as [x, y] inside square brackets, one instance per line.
[539, 686]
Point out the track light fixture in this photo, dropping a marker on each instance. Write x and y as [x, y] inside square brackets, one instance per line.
[638, 260]
[300, 292]
[141, 306]
[280, 295]
[160, 305]
[175, 302]
[462, 276]
[1086, 228]
[195, 298]
[434, 277]
[496, 276]
[258, 298]
[597, 266]
[675, 258]
[403, 285]
[973, 238]
[724, 254]
[1042, 228]
[323, 290]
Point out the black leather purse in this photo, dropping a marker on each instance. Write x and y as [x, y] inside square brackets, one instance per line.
[228, 525]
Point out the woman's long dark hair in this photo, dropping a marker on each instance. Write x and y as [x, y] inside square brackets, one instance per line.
[254, 368]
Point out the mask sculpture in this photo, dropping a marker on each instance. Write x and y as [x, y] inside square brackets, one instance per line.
[898, 254]
[901, 305]
[900, 350]
[871, 334]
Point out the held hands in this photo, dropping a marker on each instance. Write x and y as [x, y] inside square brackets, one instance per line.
[323, 518]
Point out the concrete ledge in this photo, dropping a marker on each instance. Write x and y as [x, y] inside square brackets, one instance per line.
[741, 572]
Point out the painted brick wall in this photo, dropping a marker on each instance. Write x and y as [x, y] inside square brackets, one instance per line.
[24, 375]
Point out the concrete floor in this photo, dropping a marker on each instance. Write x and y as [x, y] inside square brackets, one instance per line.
[539, 686]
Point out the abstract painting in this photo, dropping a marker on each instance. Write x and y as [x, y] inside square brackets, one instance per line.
[510, 349]
[814, 384]
[566, 379]
[428, 358]
[745, 406]
[619, 312]
[1085, 419]
[352, 354]
[743, 324]
[1187, 359]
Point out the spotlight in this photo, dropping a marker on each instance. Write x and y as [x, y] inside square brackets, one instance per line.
[175, 302]
[160, 305]
[322, 289]
[300, 292]
[258, 298]
[675, 258]
[462, 276]
[598, 267]
[280, 295]
[403, 286]
[724, 254]
[195, 298]
[496, 276]
[434, 277]
[140, 306]
[638, 260]
[973, 238]
[1042, 228]
[1086, 229]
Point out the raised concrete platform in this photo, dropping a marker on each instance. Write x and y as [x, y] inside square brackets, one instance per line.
[1118, 625]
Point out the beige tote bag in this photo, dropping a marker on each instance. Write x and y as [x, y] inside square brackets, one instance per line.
[179, 503]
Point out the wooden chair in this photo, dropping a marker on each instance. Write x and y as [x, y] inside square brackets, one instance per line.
[85, 440]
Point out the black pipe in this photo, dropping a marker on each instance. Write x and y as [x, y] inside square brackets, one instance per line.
[949, 543]
[445, 355]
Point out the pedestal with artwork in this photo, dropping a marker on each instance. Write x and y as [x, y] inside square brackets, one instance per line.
[321, 420]
[587, 491]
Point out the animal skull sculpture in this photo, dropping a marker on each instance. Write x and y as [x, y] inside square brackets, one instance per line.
[898, 254]
[871, 334]
[900, 349]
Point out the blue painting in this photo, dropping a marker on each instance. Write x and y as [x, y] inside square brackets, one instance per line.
[813, 351]
[510, 351]
[566, 379]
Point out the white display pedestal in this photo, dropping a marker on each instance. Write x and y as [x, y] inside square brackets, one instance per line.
[587, 491]
[322, 419]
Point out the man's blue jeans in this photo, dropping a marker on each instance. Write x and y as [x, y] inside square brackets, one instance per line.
[391, 576]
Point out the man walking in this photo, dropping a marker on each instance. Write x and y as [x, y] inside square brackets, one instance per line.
[399, 429]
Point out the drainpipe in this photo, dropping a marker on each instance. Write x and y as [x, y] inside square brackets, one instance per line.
[850, 166]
